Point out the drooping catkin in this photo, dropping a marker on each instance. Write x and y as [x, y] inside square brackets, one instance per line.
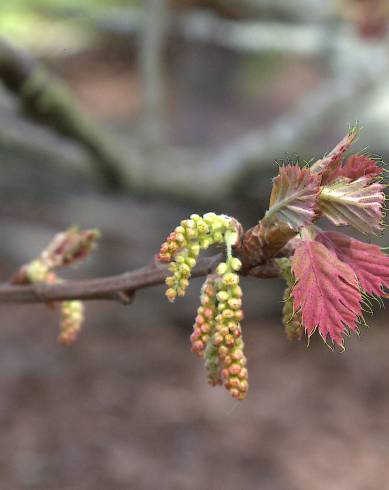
[72, 317]
[228, 334]
[292, 321]
[67, 248]
[182, 247]
[204, 325]
[217, 335]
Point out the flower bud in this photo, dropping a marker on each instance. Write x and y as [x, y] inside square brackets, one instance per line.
[222, 296]
[234, 303]
[169, 281]
[171, 294]
[190, 261]
[231, 279]
[37, 271]
[205, 243]
[235, 263]
[221, 269]
[236, 292]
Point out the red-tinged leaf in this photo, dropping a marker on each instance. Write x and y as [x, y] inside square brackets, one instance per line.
[358, 203]
[357, 166]
[326, 292]
[331, 162]
[367, 261]
[293, 198]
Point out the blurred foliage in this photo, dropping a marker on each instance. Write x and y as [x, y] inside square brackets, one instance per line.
[59, 20]
[257, 71]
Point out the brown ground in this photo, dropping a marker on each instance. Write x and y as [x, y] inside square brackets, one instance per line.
[128, 407]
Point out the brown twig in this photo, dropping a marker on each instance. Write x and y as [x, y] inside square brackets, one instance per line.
[117, 288]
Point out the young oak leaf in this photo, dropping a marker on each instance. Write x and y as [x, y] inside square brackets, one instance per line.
[358, 203]
[329, 164]
[327, 291]
[293, 198]
[358, 166]
[367, 261]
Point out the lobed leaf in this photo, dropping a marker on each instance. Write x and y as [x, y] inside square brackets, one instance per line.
[331, 162]
[367, 261]
[358, 166]
[327, 291]
[357, 203]
[293, 198]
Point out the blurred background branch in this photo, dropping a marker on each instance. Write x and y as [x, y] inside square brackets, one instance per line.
[48, 102]
[128, 161]
[152, 45]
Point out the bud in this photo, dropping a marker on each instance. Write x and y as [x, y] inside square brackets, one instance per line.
[235, 303]
[37, 271]
[69, 247]
[231, 279]
[222, 268]
[222, 296]
[236, 264]
[171, 294]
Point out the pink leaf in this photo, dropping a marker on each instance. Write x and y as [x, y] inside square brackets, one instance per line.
[358, 203]
[327, 291]
[293, 198]
[331, 162]
[368, 262]
[357, 166]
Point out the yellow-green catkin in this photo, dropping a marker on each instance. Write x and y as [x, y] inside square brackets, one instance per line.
[227, 338]
[72, 317]
[37, 271]
[204, 325]
[291, 319]
[294, 329]
[183, 246]
[204, 329]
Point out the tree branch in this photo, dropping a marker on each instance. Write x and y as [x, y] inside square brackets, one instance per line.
[48, 102]
[117, 288]
[151, 42]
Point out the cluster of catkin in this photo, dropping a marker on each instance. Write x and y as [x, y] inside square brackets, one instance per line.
[217, 335]
[66, 249]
